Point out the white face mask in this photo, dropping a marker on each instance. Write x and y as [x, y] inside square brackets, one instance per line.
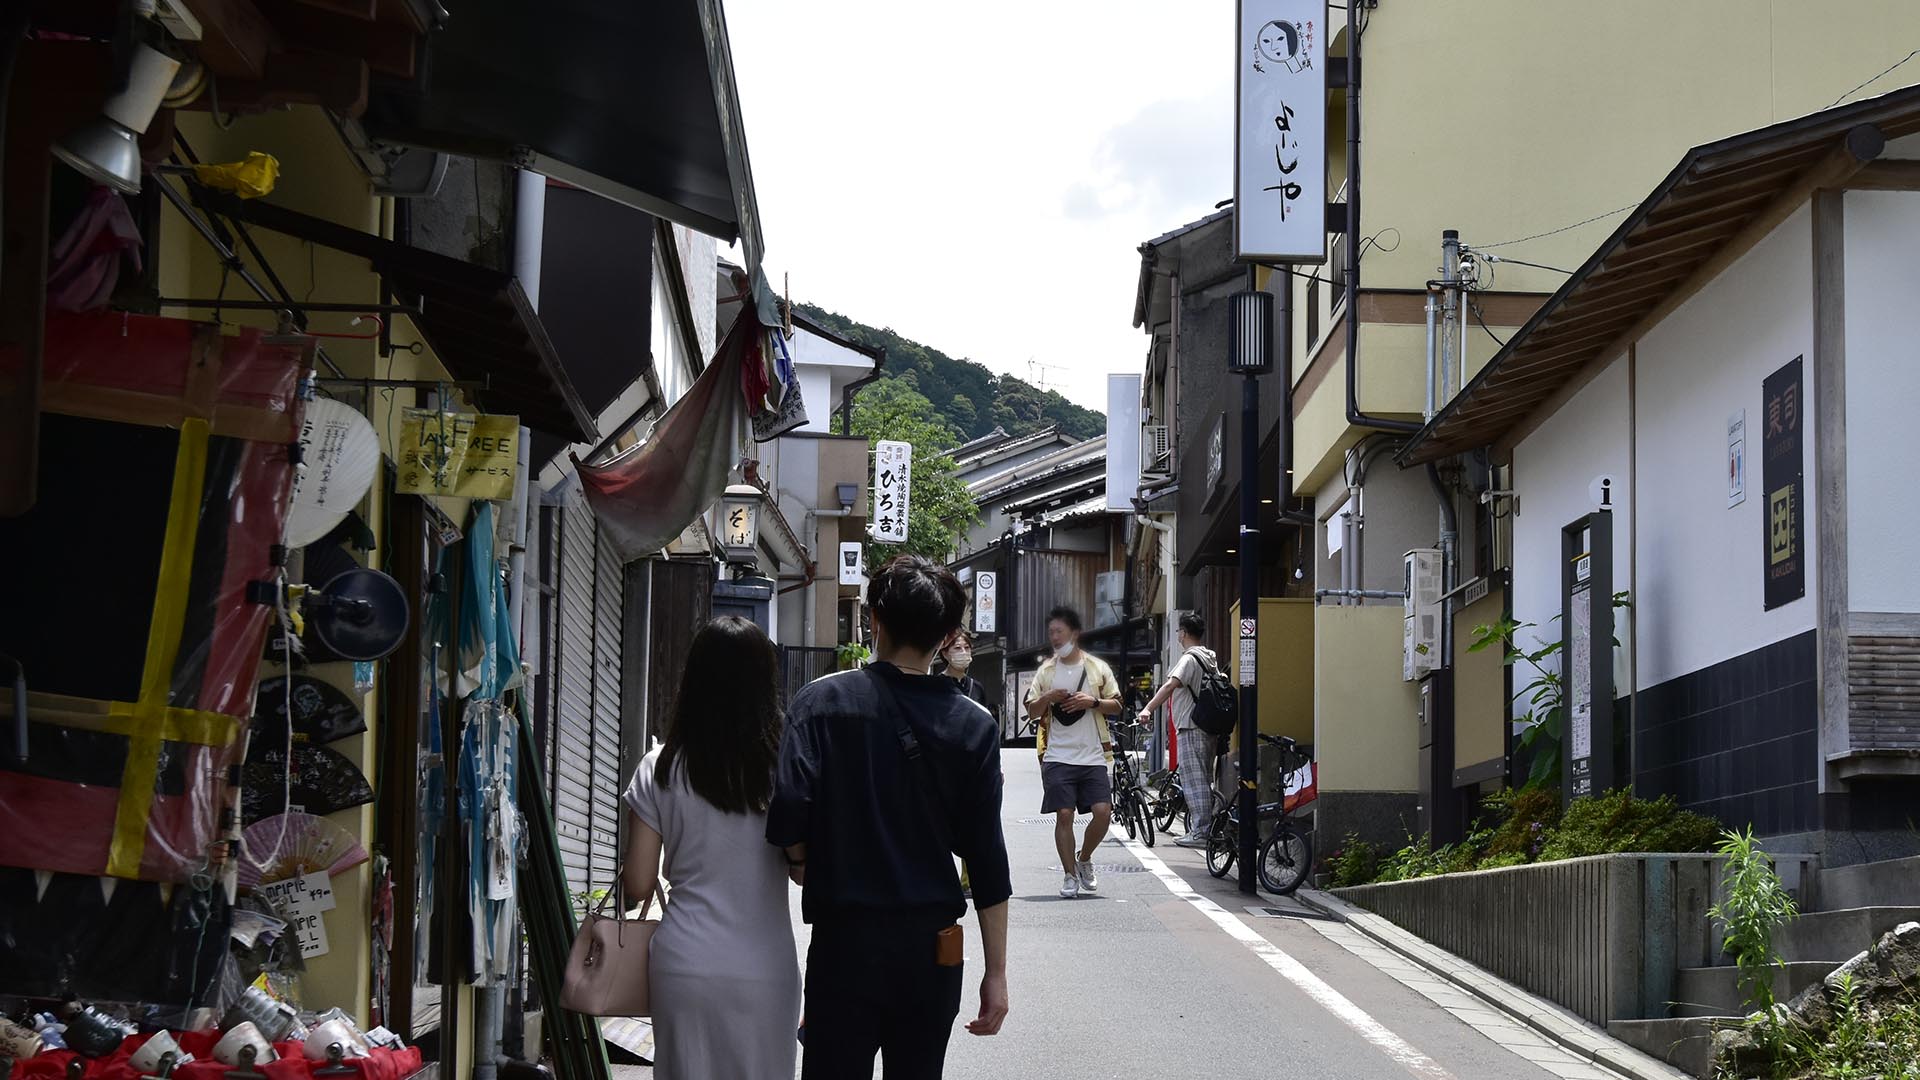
[1063, 651]
[959, 658]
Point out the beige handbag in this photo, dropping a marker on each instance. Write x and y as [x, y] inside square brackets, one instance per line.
[607, 970]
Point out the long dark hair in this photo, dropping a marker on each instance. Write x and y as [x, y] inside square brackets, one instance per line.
[725, 724]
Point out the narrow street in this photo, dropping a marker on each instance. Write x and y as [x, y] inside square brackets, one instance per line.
[1143, 979]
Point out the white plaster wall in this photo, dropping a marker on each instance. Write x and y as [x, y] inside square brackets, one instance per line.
[1883, 389]
[1700, 581]
[1553, 470]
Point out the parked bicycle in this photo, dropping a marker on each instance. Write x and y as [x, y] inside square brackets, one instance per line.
[1131, 805]
[1167, 802]
[1286, 853]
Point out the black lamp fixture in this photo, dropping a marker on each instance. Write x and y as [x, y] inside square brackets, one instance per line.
[848, 494]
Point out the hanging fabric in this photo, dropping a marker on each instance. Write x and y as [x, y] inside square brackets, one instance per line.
[647, 495]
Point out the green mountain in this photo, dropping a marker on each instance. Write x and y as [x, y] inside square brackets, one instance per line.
[971, 399]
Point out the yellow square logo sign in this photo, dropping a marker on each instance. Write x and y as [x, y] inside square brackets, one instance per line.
[1780, 529]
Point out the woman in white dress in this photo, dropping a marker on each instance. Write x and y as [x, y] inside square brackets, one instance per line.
[725, 982]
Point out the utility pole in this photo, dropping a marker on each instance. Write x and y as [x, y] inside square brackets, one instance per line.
[1252, 357]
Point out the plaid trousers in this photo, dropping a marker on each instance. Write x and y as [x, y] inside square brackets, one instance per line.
[1197, 761]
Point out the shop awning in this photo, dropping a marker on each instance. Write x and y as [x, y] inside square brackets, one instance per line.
[632, 101]
[477, 319]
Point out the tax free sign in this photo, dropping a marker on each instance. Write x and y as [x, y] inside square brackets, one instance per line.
[1280, 142]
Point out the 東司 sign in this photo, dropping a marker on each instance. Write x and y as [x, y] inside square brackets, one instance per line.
[892, 481]
[471, 455]
[1280, 143]
[986, 602]
[1782, 480]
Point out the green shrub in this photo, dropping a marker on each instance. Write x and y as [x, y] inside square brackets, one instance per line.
[1522, 819]
[1617, 822]
[1866, 1040]
[1356, 862]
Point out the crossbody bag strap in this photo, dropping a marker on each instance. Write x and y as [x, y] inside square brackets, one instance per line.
[925, 783]
[1205, 667]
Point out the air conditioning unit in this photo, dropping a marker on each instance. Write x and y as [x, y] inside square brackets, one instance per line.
[1420, 641]
[1109, 592]
[1156, 442]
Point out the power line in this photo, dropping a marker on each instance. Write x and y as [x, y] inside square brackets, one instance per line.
[1477, 317]
[1523, 262]
[1875, 79]
[1561, 229]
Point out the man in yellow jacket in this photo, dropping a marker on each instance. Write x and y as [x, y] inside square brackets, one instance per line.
[1071, 697]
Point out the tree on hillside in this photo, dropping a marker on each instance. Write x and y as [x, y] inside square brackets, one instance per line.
[939, 508]
[1002, 400]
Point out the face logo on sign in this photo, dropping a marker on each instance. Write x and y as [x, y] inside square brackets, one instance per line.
[1780, 515]
[1284, 43]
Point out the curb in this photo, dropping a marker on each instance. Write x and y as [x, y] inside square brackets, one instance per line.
[1567, 1031]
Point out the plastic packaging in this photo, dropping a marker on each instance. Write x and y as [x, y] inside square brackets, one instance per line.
[248, 179]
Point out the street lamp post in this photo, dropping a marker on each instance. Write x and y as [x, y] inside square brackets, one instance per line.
[1252, 356]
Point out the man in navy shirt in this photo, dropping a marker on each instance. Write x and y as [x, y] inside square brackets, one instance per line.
[885, 774]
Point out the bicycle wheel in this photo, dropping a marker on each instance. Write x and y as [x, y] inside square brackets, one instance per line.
[1221, 845]
[1125, 812]
[1169, 807]
[1285, 860]
[1145, 812]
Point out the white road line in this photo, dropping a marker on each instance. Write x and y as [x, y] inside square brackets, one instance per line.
[1293, 970]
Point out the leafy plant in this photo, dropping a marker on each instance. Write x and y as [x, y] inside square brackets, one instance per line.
[851, 654]
[1543, 724]
[1865, 1041]
[1616, 821]
[1356, 863]
[1756, 902]
[1523, 818]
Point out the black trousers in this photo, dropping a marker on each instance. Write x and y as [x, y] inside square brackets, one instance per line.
[877, 991]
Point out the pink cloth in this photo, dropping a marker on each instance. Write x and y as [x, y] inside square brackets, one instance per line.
[645, 497]
[86, 260]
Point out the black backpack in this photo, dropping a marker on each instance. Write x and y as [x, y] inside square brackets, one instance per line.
[1216, 704]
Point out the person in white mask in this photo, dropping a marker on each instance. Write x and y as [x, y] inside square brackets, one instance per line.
[959, 663]
[1071, 697]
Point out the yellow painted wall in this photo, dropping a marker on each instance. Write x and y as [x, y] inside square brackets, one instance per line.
[1283, 667]
[1365, 719]
[318, 177]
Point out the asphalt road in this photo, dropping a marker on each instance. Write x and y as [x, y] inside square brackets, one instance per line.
[1163, 974]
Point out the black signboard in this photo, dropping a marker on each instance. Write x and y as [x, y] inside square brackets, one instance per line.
[1783, 478]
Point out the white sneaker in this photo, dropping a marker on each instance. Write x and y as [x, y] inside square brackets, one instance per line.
[1089, 881]
[1191, 841]
[1069, 887]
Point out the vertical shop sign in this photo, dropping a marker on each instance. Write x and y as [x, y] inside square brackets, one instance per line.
[892, 488]
[1280, 144]
[852, 572]
[1736, 459]
[986, 602]
[1782, 451]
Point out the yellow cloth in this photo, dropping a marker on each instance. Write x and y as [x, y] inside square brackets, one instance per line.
[248, 179]
[1100, 684]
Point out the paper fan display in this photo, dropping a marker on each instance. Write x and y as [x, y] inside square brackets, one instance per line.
[340, 453]
[309, 845]
[323, 781]
[322, 712]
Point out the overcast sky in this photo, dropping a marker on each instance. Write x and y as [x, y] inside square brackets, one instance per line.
[979, 176]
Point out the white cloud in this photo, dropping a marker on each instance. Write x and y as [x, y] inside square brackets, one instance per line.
[979, 177]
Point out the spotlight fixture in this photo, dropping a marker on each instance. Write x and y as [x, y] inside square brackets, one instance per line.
[107, 150]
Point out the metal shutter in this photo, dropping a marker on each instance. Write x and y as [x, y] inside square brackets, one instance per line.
[608, 599]
[573, 727]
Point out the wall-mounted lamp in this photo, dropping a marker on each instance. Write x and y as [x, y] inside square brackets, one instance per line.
[740, 523]
[848, 494]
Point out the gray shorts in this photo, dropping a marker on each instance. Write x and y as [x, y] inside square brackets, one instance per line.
[1074, 787]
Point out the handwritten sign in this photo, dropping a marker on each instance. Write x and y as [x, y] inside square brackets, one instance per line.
[304, 901]
[471, 455]
[1280, 149]
[892, 489]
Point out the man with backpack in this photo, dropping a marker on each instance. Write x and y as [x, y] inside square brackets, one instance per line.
[1199, 691]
